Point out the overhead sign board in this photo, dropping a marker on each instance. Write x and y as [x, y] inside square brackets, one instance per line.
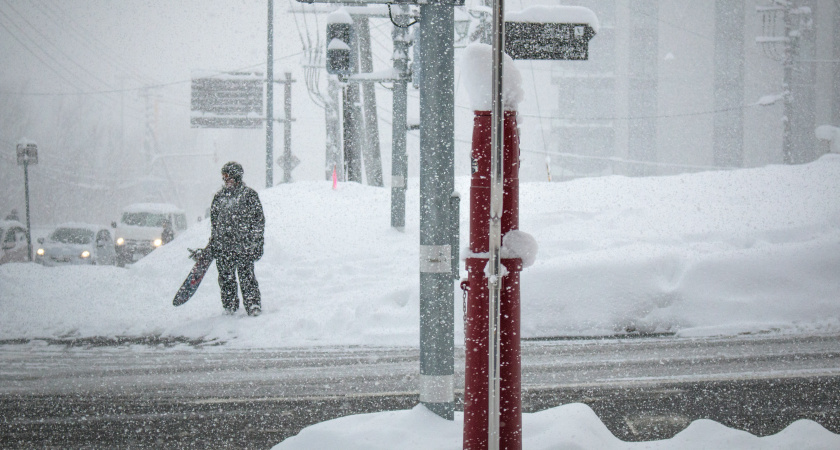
[228, 100]
[548, 41]
[544, 32]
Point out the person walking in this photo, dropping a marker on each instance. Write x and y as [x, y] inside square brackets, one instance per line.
[236, 240]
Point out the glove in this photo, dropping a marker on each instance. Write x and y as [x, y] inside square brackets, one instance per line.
[200, 254]
[253, 252]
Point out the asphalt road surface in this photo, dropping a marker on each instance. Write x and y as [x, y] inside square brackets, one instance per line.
[153, 393]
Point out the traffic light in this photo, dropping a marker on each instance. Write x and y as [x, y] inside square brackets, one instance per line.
[339, 39]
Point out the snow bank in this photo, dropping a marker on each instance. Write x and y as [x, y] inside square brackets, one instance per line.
[573, 426]
[713, 253]
[830, 134]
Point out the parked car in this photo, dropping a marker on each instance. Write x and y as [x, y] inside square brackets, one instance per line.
[77, 243]
[13, 246]
[141, 229]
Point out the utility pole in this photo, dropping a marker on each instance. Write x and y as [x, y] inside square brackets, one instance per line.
[438, 200]
[352, 115]
[289, 161]
[371, 151]
[399, 158]
[794, 21]
[269, 100]
[331, 115]
[791, 50]
[437, 184]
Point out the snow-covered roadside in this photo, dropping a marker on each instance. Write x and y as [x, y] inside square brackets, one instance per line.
[573, 426]
[711, 253]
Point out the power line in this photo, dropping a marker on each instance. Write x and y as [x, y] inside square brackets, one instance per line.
[32, 52]
[98, 49]
[60, 51]
[137, 89]
[41, 59]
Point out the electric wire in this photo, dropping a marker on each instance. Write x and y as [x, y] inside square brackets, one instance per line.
[61, 52]
[95, 47]
[43, 43]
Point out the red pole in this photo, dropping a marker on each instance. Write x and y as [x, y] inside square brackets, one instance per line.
[476, 321]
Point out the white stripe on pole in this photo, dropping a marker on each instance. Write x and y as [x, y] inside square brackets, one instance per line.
[437, 388]
[435, 258]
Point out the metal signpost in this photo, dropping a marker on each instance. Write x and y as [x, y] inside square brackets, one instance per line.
[493, 293]
[27, 154]
[269, 99]
[496, 196]
[438, 205]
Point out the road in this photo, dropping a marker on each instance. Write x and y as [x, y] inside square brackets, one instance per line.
[164, 394]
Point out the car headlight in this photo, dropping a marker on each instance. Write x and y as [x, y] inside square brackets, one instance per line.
[85, 254]
[40, 252]
[157, 242]
[120, 241]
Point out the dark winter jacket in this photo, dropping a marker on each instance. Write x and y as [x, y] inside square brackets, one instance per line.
[238, 224]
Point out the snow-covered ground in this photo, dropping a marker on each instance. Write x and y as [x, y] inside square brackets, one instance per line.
[713, 253]
[568, 427]
[746, 251]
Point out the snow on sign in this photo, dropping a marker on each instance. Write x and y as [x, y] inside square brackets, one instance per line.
[550, 33]
[227, 100]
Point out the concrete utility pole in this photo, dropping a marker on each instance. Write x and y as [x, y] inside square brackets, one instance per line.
[269, 100]
[791, 51]
[331, 113]
[371, 152]
[352, 115]
[437, 184]
[794, 19]
[399, 158]
[729, 83]
[438, 200]
[289, 161]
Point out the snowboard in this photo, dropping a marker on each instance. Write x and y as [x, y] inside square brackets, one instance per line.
[190, 285]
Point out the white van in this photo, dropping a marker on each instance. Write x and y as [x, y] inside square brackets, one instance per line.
[140, 229]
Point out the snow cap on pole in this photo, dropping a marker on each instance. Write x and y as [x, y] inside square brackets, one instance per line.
[477, 67]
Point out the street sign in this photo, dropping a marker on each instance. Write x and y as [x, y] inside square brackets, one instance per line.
[548, 41]
[228, 100]
[550, 32]
[27, 154]
[390, 2]
[293, 161]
